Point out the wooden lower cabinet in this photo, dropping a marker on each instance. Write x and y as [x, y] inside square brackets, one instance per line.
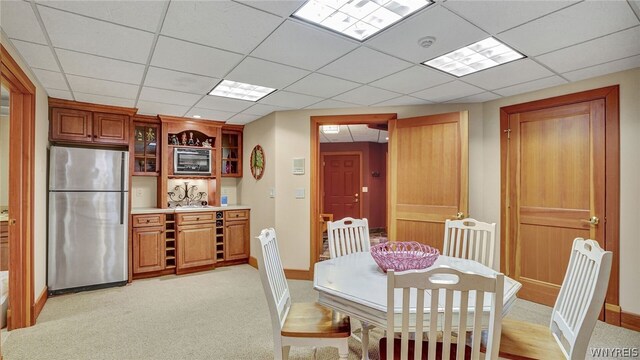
[196, 245]
[148, 249]
[236, 240]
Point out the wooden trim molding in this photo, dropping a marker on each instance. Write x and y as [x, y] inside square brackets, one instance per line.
[316, 121]
[297, 274]
[253, 262]
[70, 104]
[42, 299]
[630, 321]
[610, 95]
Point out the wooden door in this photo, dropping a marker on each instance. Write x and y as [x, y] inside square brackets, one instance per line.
[148, 249]
[556, 184]
[71, 125]
[111, 128]
[428, 176]
[342, 183]
[196, 245]
[236, 240]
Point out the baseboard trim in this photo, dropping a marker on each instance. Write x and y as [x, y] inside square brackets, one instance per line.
[253, 262]
[42, 299]
[630, 321]
[612, 314]
[297, 274]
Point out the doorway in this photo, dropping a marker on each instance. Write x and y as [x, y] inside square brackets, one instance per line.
[560, 176]
[21, 305]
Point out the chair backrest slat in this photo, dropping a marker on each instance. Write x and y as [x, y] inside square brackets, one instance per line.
[581, 297]
[273, 279]
[347, 236]
[452, 284]
[470, 239]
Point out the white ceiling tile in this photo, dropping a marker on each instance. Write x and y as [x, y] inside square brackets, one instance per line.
[323, 138]
[531, 86]
[497, 16]
[482, 97]
[448, 91]
[366, 95]
[332, 104]
[241, 119]
[613, 47]
[451, 32]
[303, 46]
[37, 56]
[343, 136]
[364, 133]
[322, 85]
[403, 100]
[104, 100]
[102, 87]
[635, 5]
[224, 104]
[236, 27]
[193, 58]
[282, 8]
[169, 96]
[179, 81]
[364, 65]
[512, 73]
[60, 94]
[155, 108]
[412, 79]
[99, 67]
[263, 109]
[208, 114]
[79, 33]
[602, 69]
[19, 22]
[51, 79]
[289, 99]
[577, 23]
[265, 73]
[145, 15]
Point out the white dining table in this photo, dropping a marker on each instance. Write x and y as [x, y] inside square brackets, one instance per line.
[354, 285]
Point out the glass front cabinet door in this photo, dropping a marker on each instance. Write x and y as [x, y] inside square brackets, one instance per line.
[231, 153]
[146, 149]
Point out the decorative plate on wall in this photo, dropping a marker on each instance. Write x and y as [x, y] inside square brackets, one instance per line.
[257, 162]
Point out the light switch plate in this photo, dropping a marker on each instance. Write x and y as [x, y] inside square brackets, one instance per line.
[272, 192]
[365, 189]
[300, 193]
[138, 192]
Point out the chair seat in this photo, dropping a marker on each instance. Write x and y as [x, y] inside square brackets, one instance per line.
[522, 340]
[425, 347]
[313, 320]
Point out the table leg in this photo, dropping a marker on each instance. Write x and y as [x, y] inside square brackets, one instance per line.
[365, 340]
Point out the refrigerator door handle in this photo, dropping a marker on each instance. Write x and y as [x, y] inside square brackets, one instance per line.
[122, 188]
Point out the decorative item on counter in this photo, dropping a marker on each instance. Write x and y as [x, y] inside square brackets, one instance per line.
[257, 161]
[198, 142]
[191, 142]
[185, 195]
[151, 135]
[223, 200]
[206, 143]
[401, 256]
[174, 140]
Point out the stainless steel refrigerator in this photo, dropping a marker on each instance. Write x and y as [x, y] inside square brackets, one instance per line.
[88, 227]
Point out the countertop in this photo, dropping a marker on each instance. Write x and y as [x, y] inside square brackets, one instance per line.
[137, 211]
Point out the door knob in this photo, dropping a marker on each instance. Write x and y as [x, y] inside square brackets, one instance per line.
[593, 221]
[12, 221]
[460, 215]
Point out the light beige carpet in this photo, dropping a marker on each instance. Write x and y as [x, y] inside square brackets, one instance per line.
[220, 314]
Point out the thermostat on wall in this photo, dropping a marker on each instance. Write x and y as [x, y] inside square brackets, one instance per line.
[298, 166]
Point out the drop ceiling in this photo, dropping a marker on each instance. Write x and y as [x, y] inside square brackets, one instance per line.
[355, 133]
[163, 57]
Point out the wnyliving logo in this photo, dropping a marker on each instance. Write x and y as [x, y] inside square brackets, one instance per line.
[620, 352]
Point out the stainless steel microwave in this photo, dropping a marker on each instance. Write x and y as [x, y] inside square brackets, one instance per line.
[192, 161]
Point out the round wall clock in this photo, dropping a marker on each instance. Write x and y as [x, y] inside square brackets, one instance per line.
[257, 162]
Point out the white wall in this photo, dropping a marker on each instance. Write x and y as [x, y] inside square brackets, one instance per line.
[629, 82]
[144, 191]
[40, 175]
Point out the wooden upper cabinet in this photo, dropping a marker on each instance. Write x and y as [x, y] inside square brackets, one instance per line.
[110, 128]
[77, 122]
[231, 151]
[72, 125]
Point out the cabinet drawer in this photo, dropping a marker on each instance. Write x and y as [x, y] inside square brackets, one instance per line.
[196, 218]
[236, 214]
[148, 220]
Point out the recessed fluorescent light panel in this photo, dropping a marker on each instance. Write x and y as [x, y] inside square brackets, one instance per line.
[358, 19]
[330, 129]
[242, 91]
[475, 57]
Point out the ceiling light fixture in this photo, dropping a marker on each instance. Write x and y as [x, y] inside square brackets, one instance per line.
[330, 129]
[197, 116]
[478, 56]
[242, 91]
[358, 19]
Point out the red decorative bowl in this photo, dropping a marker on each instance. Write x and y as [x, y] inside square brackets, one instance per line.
[401, 256]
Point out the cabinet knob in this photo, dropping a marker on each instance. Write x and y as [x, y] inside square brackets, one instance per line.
[148, 220]
[197, 218]
[95, 136]
[88, 136]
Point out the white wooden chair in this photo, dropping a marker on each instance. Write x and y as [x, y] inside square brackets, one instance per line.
[443, 284]
[347, 236]
[574, 315]
[470, 239]
[298, 324]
